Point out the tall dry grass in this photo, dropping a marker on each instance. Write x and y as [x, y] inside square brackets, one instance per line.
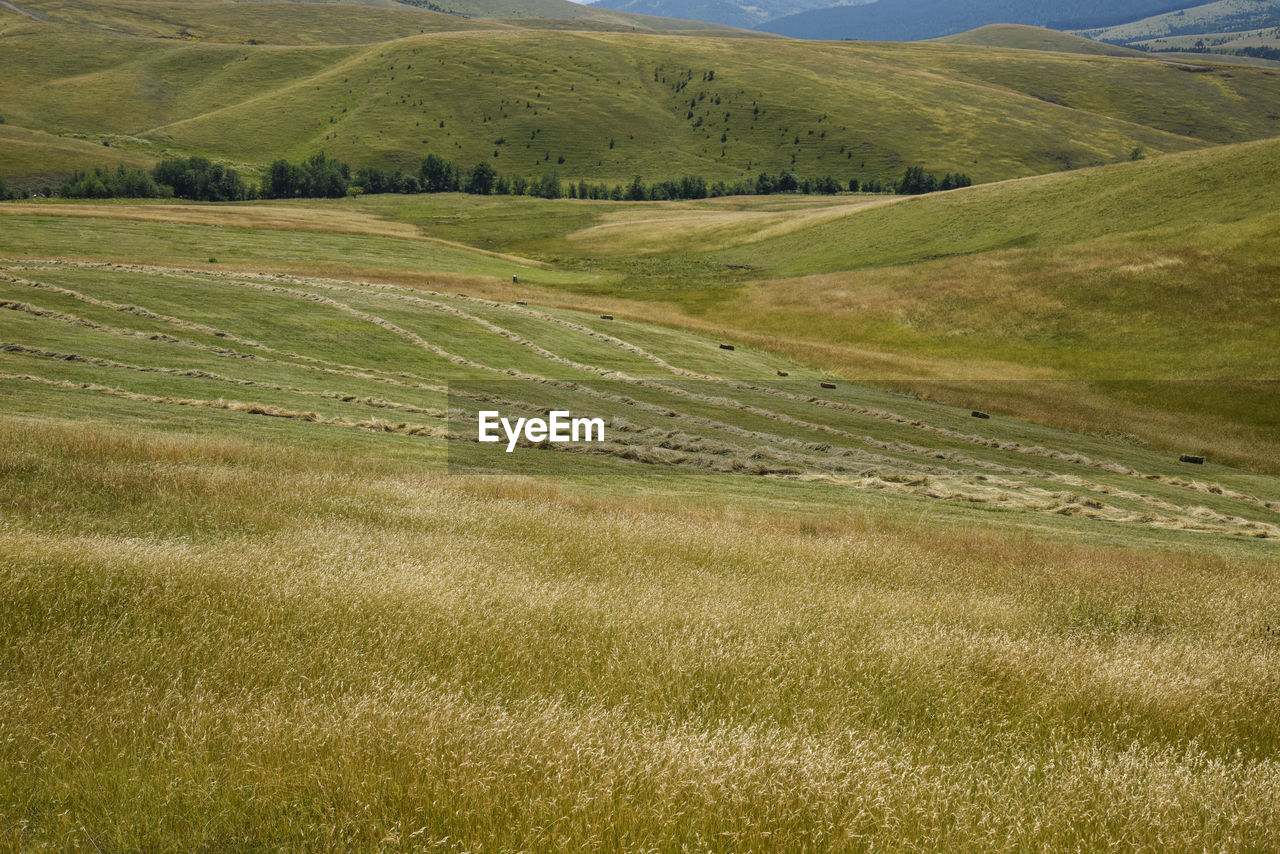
[213, 645]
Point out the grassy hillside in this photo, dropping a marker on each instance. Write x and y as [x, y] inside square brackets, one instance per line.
[291, 22]
[1025, 37]
[1216, 42]
[1216, 17]
[1137, 299]
[41, 160]
[903, 20]
[523, 99]
[245, 606]
[1153, 271]
[890, 542]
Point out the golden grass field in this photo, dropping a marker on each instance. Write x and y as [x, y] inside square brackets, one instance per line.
[216, 645]
[247, 606]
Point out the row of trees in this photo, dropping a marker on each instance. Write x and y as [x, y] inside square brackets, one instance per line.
[321, 176]
[438, 175]
[195, 178]
[917, 181]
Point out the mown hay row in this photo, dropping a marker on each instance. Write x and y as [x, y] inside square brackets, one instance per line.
[264, 409]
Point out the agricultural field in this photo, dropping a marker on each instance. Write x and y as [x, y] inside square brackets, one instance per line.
[262, 590]
[936, 523]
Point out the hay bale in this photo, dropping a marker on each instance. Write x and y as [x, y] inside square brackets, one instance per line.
[827, 385]
[1191, 458]
[976, 414]
[726, 346]
[782, 373]
[521, 302]
[606, 317]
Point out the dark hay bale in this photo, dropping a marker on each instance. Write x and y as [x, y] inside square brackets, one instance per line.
[606, 317]
[726, 346]
[1191, 458]
[782, 373]
[827, 385]
[977, 414]
[521, 302]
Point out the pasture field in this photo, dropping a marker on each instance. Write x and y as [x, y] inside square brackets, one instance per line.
[256, 595]
[1144, 293]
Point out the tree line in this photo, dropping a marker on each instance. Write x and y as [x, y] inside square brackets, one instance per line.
[320, 176]
[195, 178]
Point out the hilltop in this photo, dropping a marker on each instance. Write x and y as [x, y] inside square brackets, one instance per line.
[1023, 37]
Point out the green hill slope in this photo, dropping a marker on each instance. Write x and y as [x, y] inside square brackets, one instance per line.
[294, 22]
[613, 106]
[1025, 37]
[1133, 299]
[1155, 281]
[1216, 17]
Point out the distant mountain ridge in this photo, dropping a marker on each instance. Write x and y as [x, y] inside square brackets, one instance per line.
[736, 13]
[913, 20]
[900, 20]
[1221, 16]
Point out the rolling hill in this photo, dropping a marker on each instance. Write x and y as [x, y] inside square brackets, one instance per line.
[1143, 293]
[738, 13]
[521, 97]
[939, 523]
[1023, 37]
[909, 20]
[1221, 16]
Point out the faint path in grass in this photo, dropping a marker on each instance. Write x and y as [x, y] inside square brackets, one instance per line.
[32, 15]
